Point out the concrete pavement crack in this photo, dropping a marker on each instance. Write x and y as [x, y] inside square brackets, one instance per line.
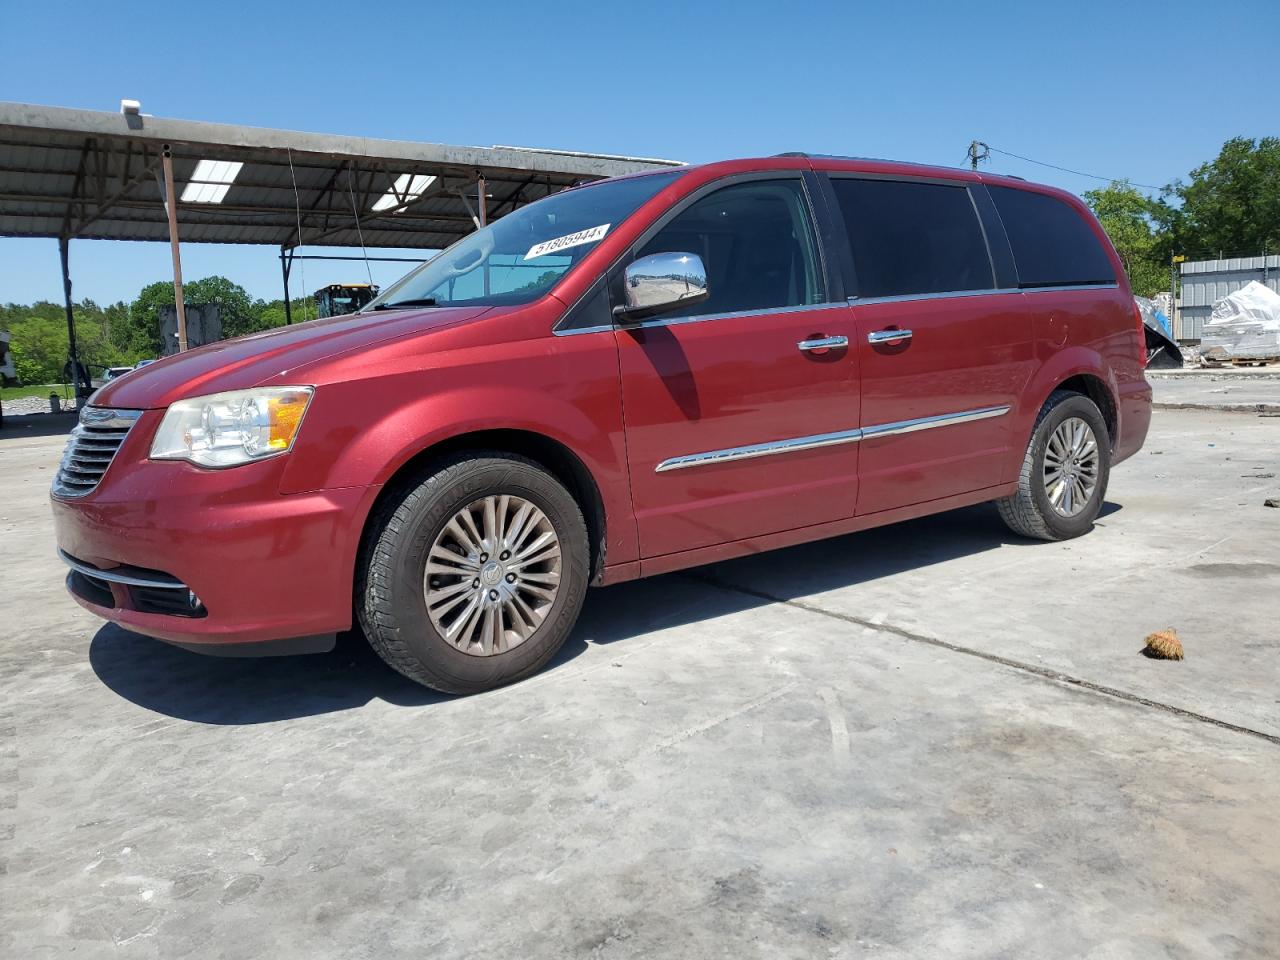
[1044, 673]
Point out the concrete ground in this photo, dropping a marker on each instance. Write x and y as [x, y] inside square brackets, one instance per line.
[1243, 388]
[929, 740]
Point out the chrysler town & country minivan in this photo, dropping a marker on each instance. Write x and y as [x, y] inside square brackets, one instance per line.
[626, 378]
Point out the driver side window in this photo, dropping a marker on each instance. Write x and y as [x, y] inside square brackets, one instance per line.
[756, 241]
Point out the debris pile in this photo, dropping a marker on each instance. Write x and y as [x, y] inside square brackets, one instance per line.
[1244, 325]
[1162, 349]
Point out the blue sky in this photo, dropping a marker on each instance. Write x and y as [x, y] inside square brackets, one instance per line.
[1142, 90]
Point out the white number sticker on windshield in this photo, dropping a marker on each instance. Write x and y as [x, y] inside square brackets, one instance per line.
[590, 235]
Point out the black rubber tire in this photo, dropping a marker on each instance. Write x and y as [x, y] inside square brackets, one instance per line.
[1028, 511]
[389, 600]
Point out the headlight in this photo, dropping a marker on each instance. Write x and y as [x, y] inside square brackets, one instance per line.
[228, 429]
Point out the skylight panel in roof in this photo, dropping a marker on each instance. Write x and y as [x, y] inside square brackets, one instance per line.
[211, 181]
[408, 186]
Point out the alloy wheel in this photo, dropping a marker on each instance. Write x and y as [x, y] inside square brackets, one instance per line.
[492, 575]
[1071, 466]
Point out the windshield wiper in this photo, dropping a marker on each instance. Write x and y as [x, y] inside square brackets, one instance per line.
[421, 302]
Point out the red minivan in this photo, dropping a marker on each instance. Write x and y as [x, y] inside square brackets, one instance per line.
[626, 378]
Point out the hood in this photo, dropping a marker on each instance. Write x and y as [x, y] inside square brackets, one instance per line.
[259, 357]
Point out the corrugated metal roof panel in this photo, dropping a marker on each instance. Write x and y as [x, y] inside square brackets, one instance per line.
[93, 174]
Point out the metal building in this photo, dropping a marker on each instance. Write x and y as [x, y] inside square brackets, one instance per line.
[1205, 282]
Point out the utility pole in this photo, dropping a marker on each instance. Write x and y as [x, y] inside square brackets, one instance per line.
[978, 151]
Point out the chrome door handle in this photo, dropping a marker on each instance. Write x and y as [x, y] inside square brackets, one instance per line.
[888, 336]
[823, 343]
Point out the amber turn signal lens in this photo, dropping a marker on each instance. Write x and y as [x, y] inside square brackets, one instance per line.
[286, 414]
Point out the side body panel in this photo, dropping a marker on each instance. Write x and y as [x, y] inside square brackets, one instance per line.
[1090, 332]
[714, 385]
[967, 355]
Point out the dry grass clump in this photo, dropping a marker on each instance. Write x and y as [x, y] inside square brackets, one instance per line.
[1164, 645]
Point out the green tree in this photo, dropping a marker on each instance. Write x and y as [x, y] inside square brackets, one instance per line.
[144, 317]
[1230, 206]
[39, 339]
[271, 314]
[1134, 222]
[39, 347]
[239, 313]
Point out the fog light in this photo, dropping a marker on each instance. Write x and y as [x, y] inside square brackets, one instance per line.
[194, 602]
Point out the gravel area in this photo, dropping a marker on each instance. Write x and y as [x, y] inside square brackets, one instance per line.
[26, 405]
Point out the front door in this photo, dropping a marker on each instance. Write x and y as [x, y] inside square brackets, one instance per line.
[943, 354]
[737, 424]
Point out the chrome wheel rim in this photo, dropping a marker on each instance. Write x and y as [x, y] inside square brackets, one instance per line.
[1071, 467]
[492, 575]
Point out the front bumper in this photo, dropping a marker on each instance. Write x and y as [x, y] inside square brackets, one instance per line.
[263, 566]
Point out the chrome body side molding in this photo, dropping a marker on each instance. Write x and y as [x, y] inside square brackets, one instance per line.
[794, 444]
[759, 450]
[928, 423]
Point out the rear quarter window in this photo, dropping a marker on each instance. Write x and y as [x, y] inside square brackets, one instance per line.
[1052, 243]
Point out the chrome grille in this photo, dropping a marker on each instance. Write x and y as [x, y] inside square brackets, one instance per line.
[91, 449]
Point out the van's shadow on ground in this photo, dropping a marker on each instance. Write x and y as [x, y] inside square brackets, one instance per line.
[213, 690]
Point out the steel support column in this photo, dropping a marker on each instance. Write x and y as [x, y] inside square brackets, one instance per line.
[482, 218]
[82, 385]
[171, 208]
[285, 267]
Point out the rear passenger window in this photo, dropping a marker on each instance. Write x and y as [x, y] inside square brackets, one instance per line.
[1052, 244]
[913, 238]
[756, 241]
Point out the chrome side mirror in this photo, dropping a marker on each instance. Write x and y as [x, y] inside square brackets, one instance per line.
[661, 282]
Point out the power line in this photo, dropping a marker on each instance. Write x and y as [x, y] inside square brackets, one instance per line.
[1078, 173]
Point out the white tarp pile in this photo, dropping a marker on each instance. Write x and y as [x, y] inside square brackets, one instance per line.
[1245, 324]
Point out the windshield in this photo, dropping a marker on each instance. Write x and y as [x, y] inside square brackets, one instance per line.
[520, 257]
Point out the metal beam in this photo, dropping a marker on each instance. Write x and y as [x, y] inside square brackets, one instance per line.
[127, 187]
[285, 267]
[82, 385]
[75, 187]
[171, 209]
[211, 209]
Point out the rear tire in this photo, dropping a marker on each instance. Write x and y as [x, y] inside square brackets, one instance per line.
[1064, 474]
[463, 625]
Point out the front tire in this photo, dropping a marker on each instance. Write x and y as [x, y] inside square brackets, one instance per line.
[1064, 474]
[473, 575]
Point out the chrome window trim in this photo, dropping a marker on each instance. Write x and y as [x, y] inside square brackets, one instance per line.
[991, 292]
[699, 317]
[1071, 286]
[852, 302]
[906, 297]
[751, 451]
[731, 315]
[110, 576]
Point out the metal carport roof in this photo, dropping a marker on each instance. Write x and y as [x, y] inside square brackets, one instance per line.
[92, 174]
